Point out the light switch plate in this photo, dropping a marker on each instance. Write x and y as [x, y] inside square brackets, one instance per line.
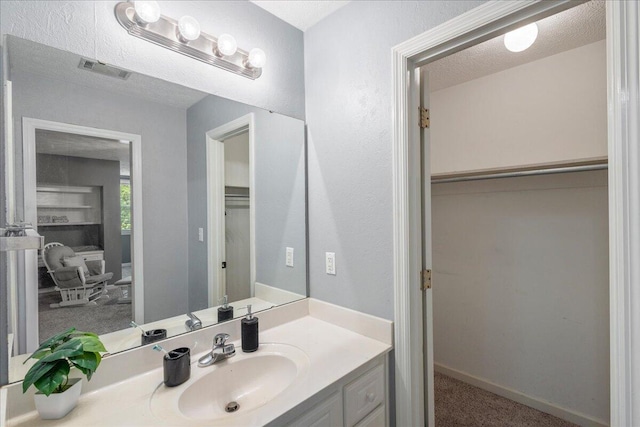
[330, 262]
[289, 257]
[201, 234]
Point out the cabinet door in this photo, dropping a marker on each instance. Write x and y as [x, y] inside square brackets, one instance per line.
[374, 419]
[363, 395]
[325, 414]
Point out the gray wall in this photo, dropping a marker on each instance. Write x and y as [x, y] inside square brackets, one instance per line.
[66, 170]
[89, 28]
[164, 168]
[348, 106]
[279, 189]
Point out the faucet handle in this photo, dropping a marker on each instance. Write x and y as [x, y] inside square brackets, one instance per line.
[220, 339]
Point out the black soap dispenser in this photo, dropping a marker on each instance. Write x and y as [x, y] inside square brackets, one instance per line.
[249, 332]
[225, 312]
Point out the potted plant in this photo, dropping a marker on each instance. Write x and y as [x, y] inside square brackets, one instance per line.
[57, 394]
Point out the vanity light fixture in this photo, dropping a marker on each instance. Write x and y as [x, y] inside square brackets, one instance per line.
[522, 38]
[256, 59]
[147, 12]
[188, 29]
[143, 19]
[227, 45]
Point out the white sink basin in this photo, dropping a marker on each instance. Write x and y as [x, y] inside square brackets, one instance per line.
[245, 382]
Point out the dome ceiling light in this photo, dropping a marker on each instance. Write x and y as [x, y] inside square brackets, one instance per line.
[522, 38]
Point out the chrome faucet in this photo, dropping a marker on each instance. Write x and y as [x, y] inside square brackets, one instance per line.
[220, 351]
[193, 323]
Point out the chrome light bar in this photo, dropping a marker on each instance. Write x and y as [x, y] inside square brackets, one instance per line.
[164, 32]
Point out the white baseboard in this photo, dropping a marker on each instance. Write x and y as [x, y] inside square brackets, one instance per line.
[533, 402]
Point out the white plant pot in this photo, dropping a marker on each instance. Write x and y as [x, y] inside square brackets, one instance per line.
[57, 405]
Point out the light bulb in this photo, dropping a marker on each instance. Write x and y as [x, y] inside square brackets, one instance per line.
[188, 28]
[147, 12]
[522, 38]
[257, 58]
[227, 45]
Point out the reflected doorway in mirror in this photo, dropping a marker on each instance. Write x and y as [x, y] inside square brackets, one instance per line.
[56, 167]
[233, 169]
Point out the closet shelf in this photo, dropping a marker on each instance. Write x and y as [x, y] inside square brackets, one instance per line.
[64, 207]
[63, 189]
[60, 224]
[76, 205]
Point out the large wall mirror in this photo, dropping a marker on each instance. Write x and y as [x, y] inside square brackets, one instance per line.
[157, 202]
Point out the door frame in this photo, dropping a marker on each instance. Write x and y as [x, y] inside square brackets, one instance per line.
[29, 127]
[216, 204]
[477, 25]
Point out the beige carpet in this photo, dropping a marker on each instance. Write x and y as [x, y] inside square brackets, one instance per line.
[461, 404]
[106, 316]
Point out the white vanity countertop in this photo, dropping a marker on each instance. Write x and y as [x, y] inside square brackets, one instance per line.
[333, 351]
[130, 338]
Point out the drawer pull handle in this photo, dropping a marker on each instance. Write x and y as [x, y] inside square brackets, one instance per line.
[370, 397]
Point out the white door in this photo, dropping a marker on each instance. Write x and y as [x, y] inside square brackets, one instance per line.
[427, 296]
[215, 221]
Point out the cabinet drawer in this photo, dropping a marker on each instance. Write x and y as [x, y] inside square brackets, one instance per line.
[374, 419]
[325, 414]
[363, 395]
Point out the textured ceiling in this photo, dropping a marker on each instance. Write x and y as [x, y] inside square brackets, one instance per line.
[73, 145]
[57, 64]
[302, 14]
[578, 26]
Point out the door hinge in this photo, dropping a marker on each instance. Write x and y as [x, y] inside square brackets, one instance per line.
[224, 264]
[425, 283]
[424, 118]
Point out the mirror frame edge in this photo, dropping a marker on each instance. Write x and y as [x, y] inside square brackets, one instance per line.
[4, 283]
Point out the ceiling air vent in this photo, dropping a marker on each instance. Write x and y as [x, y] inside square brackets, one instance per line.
[104, 69]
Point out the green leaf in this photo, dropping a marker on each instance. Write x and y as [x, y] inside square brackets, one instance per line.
[87, 360]
[88, 334]
[48, 383]
[71, 348]
[40, 354]
[87, 372]
[51, 343]
[36, 372]
[91, 344]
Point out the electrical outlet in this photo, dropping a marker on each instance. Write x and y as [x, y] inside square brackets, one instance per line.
[201, 234]
[331, 263]
[289, 257]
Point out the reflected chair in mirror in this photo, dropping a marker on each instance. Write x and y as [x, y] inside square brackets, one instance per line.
[80, 282]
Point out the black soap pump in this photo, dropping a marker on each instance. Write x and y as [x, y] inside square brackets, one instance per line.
[226, 311]
[249, 332]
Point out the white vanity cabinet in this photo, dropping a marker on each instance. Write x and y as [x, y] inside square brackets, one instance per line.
[327, 413]
[357, 400]
[341, 377]
[363, 395]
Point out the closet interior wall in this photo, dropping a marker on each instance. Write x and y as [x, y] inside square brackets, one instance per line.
[520, 264]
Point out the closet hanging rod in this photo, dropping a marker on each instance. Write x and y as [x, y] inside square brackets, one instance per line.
[515, 174]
